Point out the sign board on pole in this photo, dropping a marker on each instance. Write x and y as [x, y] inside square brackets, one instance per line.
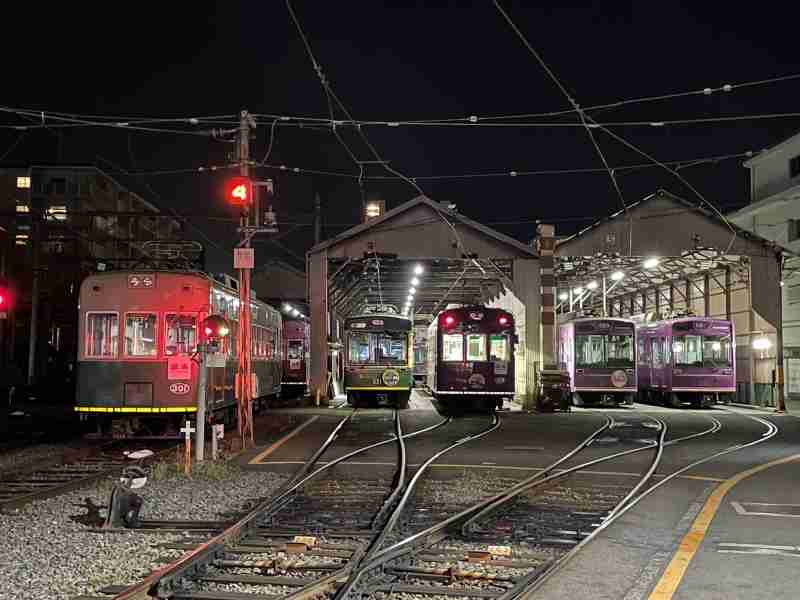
[179, 368]
[244, 258]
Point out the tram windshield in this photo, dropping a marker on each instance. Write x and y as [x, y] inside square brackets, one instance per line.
[379, 348]
[710, 351]
[603, 351]
[295, 349]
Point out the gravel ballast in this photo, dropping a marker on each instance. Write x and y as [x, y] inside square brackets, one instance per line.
[47, 550]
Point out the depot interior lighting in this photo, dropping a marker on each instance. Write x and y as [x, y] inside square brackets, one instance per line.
[412, 291]
[617, 275]
[418, 269]
[410, 298]
[650, 263]
[592, 285]
[578, 290]
[287, 308]
[415, 281]
[373, 210]
[563, 296]
[761, 343]
[295, 312]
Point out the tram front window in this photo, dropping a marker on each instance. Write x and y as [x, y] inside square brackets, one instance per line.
[295, 349]
[604, 351]
[386, 348]
[711, 351]
[619, 351]
[181, 334]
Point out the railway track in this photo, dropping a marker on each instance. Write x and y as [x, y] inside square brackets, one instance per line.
[65, 473]
[322, 536]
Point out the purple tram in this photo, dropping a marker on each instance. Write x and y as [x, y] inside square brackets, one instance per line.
[470, 357]
[598, 353]
[686, 360]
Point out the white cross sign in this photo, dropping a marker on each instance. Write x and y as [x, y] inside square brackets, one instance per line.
[188, 430]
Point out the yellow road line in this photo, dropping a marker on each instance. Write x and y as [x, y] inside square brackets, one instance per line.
[257, 459]
[676, 569]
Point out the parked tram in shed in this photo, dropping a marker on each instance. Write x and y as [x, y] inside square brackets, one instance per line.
[686, 360]
[470, 357]
[599, 355]
[296, 335]
[139, 335]
[379, 358]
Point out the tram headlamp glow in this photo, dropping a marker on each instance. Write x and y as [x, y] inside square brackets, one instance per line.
[502, 320]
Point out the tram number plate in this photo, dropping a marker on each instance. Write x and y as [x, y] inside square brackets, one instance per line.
[308, 540]
[180, 388]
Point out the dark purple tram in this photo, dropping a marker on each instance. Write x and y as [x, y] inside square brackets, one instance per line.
[598, 353]
[470, 357]
[686, 360]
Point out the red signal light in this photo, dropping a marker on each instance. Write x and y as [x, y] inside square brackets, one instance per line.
[502, 320]
[2, 299]
[209, 331]
[449, 320]
[239, 191]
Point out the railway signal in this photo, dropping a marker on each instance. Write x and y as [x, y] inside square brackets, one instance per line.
[239, 191]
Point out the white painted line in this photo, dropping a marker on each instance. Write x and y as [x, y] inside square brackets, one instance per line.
[737, 506]
[735, 545]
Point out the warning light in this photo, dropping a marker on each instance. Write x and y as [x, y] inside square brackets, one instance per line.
[503, 320]
[239, 191]
[216, 327]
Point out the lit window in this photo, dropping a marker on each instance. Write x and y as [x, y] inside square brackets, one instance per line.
[498, 348]
[476, 346]
[453, 347]
[102, 335]
[181, 334]
[23, 208]
[57, 213]
[21, 239]
[140, 334]
[24, 183]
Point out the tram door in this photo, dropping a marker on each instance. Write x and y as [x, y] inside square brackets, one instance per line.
[658, 362]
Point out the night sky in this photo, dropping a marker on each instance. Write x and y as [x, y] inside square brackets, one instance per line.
[403, 61]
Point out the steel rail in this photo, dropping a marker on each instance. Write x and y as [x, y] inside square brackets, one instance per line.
[141, 590]
[437, 532]
[374, 547]
[533, 586]
[401, 474]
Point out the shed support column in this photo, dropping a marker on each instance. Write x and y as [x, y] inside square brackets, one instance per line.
[728, 293]
[688, 296]
[633, 304]
[318, 299]
[527, 284]
[707, 295]
[671, 298]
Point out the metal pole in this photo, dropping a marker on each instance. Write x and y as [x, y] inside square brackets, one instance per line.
[780, 399]
[605, 298]
[34, 330]
[202, 379]
[317, 220]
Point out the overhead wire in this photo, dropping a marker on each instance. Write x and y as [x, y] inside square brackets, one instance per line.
[612, 134]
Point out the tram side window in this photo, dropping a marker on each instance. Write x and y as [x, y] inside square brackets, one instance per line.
[452, 347]
[476, 346]
[102, 335]
[498, 348]
[140, 334]
[181, 334]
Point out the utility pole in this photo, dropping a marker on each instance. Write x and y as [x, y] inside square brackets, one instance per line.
[246, 123]
[35, 268]
[780, 399]
[317, 220]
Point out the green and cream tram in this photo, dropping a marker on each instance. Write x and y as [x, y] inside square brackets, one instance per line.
[379, 357]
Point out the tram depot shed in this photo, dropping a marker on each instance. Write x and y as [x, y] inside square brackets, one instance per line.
[463, 261]
[704, 265]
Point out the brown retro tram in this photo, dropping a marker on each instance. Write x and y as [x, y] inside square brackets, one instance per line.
[139, 334]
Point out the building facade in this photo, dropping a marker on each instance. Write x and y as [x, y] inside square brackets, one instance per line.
[774, 213]
[58, 224]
